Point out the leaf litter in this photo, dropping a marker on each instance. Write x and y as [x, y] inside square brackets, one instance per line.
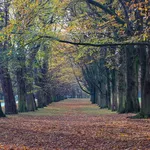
[74, 127]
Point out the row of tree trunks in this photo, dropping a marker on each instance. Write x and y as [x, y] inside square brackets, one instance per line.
[120, 91]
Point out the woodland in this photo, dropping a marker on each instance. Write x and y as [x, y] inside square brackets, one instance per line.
[51, 50]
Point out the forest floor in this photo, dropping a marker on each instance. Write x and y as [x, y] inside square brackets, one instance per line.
[74, 125]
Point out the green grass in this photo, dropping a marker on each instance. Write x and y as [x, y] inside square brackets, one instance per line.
[47, 111]
[69, 106]
[95, 110]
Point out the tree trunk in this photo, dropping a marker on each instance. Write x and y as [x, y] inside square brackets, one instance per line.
[145, 105]
[97, 98]
[41, 98]
[132, 103]
[93, 100]
[114, 91]
[108, 89]
[121, 83]
[21, 89]
[142, 54]
[10, 104]
[31, 105]
[30, 99]
[1, 112]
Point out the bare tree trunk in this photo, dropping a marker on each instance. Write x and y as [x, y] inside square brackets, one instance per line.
[108, 89]
[132, 103]
[145, 105]
[114, 91]
[121, 83]
[10, 104]
[41, 99]
[21, 88]
[30, 99]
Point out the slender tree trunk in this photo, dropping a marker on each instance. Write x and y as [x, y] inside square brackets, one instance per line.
[93, 95]
[114, 91]
[143, 64]
[108, 89]
[97, 97]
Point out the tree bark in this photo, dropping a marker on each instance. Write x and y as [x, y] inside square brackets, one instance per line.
[145, 105]
[30, 99]
[121, 83]
[93, 100]
[1, 112]
[10, 104]
[41, 99]
[132, 103]
[108, 89]
[114, 91]
[20, 74]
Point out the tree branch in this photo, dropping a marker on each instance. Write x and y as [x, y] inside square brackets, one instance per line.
[104, 8]
[95, 45]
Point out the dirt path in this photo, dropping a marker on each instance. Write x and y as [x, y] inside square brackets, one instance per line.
[74, 125]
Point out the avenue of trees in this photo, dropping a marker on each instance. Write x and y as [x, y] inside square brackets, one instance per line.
[105, 44]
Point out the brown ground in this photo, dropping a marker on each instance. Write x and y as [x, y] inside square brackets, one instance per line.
[74, 125]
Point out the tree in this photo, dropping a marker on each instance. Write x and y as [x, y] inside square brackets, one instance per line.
[10, 105]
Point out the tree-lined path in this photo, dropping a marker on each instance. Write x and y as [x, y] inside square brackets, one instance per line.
[74, 124]
[52, 50]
